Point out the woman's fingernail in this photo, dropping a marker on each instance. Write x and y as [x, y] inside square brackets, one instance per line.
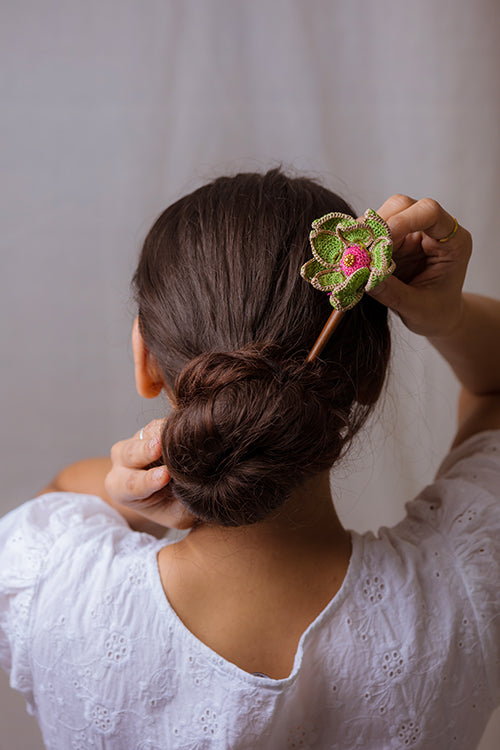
[160, 474]
[154, 443]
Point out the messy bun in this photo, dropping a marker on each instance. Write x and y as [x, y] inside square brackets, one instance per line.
[228, 322]
[247, 429]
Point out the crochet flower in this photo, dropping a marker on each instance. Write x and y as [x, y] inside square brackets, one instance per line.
[350, 257]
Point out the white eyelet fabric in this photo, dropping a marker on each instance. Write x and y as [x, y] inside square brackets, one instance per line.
[406, 655]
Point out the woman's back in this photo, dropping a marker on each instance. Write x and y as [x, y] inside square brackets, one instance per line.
[250, 593]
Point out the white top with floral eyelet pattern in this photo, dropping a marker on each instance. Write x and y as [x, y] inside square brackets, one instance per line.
[406, 655]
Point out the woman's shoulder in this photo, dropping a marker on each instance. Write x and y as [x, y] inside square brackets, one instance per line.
[458, 511]
[446, 551]
[31, 531]
[465, 493]
[479, 452]
[62, 558]
[61, 528]
[53, 513]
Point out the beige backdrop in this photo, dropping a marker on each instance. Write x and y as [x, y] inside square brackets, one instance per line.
[113, 108]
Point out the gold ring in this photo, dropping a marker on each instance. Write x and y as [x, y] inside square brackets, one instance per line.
[452, 233]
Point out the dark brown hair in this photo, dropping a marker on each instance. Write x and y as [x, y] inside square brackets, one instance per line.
[229, 321]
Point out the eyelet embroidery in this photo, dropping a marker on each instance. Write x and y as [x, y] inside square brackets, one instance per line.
[466, 517]
[393, 665]
[102, 719]
[116, 648]
[301, 736]
[373, 592]
[161, 688]
[199, 671]
[207, 720]
[374, 589]
[408, 733]
[137, 574]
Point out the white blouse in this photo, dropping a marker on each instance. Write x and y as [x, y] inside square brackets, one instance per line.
[406, 655]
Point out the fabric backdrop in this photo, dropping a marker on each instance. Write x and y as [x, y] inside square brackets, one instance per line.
[111, 109]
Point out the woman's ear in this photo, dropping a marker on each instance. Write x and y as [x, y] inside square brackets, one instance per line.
[147, 379]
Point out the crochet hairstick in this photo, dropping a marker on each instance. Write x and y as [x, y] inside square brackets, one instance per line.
[350, 257]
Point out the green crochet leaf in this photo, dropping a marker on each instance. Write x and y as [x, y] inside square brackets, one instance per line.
[356, 234]
[345, 300]
[310, 269]
[330, 221]
[357, 281]
[376, 224]
[381, 252]
[327, 280]
[351, 291]
[329, 248]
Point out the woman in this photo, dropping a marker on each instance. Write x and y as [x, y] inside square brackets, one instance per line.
[268, 625]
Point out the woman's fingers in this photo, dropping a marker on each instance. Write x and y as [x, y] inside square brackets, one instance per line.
[425, 216]
[131, 483]
[147, 493]
[406, 216]
[151, 430]
[127, 485]
[138, 452]
[129, 478]
[135, 453]
[394, 205]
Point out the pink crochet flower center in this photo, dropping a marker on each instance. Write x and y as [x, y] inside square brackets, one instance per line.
[354, 258]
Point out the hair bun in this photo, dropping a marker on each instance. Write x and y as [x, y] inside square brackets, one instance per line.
[247, 429]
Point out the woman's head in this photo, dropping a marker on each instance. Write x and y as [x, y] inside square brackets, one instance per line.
[228, 322]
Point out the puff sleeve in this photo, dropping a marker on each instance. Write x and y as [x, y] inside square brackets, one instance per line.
[28, 535]
[463, 507]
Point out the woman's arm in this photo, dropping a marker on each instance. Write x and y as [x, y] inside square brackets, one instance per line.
[473, 352]
[473, 348]
[85, 476]
[428, 297]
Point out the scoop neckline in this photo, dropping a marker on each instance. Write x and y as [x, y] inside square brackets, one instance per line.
[227, 667]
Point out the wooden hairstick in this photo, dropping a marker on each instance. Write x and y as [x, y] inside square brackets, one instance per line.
[351, 257]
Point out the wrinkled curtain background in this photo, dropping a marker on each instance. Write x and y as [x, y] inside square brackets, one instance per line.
[111, 109]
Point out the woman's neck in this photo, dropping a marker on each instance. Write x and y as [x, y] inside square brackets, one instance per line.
[307, 526]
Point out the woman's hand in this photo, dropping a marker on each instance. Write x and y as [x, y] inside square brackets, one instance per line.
[132, 484]
[426, 290]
